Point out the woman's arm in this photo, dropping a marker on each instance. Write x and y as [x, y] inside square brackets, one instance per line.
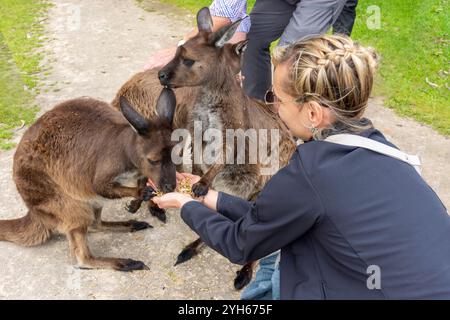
[226, 204]
[286, 208]
[231, 207]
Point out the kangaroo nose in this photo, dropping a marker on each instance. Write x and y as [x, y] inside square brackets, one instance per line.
[163, 77]
[168, 187]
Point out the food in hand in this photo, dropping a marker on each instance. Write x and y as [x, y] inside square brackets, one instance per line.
[184, 186]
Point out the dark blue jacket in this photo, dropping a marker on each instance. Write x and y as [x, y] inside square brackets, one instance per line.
[335, 211]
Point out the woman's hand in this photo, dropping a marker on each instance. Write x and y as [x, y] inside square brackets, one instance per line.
[176, 199]
[191, 177]
[172, 200]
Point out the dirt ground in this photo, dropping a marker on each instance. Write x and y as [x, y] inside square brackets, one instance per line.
[94, 47]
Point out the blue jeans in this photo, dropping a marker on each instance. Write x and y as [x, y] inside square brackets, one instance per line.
[266, 285]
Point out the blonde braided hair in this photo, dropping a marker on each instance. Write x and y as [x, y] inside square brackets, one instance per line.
[332, 70]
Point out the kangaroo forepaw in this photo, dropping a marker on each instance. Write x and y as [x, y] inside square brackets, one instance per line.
[133, 206]
[186, 255]
[158, 213]
[200, 189]
[148, 193]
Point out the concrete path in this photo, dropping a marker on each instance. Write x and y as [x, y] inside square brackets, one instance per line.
[94, 47]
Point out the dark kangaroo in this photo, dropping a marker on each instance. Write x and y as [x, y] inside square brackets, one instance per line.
[206, 62]
[80, 154]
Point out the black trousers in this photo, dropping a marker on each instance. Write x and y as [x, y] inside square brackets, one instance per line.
[290, 20]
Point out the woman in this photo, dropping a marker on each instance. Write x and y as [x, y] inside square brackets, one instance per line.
[351, 223]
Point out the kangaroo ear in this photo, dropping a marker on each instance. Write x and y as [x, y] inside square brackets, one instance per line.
[204, 20]
[240, 47]
[138, 122]
[166, 105]
[224, 34]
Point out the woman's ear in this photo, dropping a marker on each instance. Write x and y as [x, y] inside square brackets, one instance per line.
[315, 113]
[319, 116]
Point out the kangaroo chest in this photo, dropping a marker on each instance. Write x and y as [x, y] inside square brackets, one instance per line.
[207, 115]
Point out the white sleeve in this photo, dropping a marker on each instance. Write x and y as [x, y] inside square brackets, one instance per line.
[232, 9]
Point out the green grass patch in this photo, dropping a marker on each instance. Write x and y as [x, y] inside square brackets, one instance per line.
[20, 36]
[413, 41]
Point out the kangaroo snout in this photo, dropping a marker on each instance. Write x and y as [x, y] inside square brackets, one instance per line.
[164, 77]
[168, 187]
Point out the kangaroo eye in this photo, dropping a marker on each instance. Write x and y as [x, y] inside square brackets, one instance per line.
[153, 162]
[188, 62]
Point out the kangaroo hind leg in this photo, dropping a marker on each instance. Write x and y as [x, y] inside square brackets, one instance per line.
[116, 226]
[76, 219]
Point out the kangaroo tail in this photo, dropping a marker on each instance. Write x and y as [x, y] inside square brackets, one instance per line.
[24, 231]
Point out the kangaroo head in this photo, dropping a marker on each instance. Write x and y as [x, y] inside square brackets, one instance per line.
[153, 145]
[201, 59]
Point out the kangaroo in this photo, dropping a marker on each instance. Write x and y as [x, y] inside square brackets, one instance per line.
[142, 90]
[209, 63]
[80, 154]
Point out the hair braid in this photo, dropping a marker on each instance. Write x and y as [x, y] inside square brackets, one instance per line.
[333, 71]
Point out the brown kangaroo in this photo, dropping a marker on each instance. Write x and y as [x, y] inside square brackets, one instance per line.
[80, 154]
[206, 62]
[142, 90]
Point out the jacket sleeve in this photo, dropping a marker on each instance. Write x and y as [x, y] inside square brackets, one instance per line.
[286, 208]
[232, 207]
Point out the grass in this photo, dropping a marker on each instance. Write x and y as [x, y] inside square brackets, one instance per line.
[20, 36]
[414, 45]
[413, 41]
